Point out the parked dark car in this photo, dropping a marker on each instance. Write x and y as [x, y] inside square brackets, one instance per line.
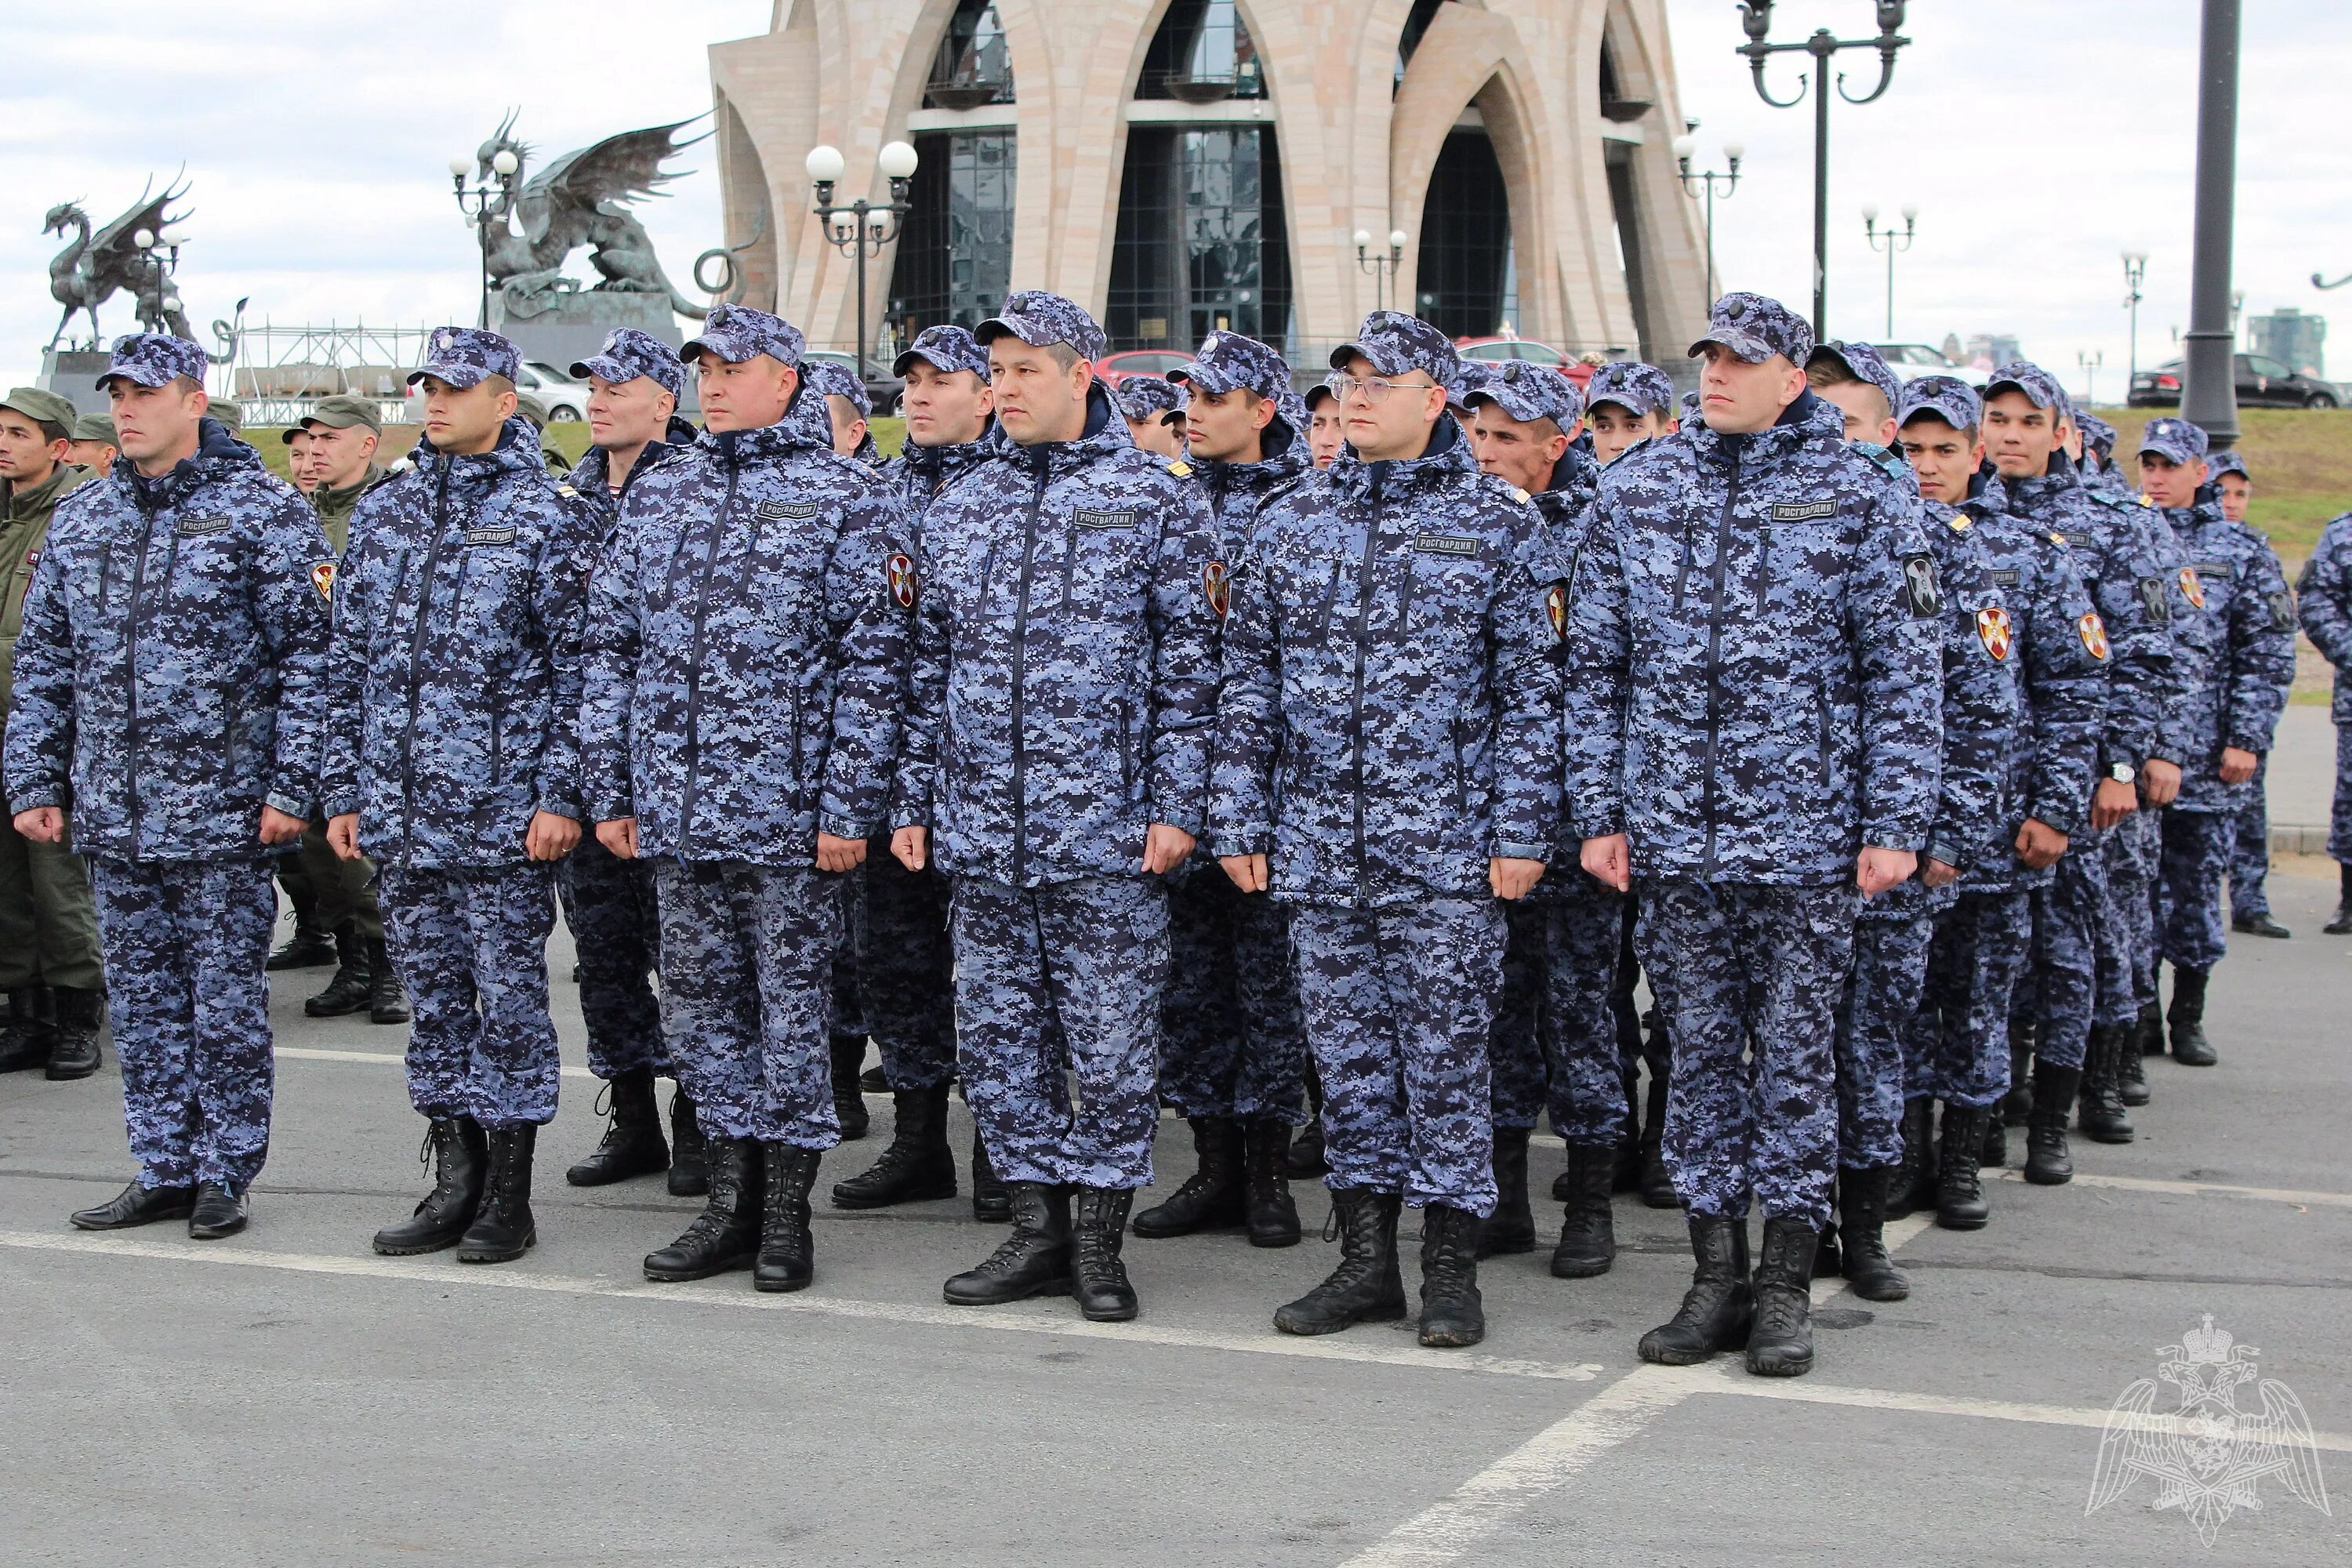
[2262, 382]
[882, 388]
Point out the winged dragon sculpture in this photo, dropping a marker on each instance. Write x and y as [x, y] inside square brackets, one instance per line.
[95, 266]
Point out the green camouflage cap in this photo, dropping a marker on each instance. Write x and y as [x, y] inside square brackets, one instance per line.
[41, 408]
[225, 410]
[532, 409]
[96, 427]
[341, 412]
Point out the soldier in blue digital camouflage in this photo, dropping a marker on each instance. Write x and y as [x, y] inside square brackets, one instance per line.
[1559, 1032]
[1056, 765]
[1325, 433]
[635, 385]
[1153, 407]
[847, 407]
[2235, 693]
[906, 972]
[1388, 765]
[169, 687]
[1754, 676]
[452, 761]
[1625, 403]
[2091, 446]
[1232, 1054]
[2030, 625]
[2324, 609]
[2249, 855]
[747, 641]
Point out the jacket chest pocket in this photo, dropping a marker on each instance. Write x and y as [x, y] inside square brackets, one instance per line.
[1439, 592]
[787, 571]
[493, 584]
[1101, 570]
[1797, 549]
[1313, 592]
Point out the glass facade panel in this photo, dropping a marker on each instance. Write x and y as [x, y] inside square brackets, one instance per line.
[955, 256]
[1201, 245]
[974, 66]
[1201, 53]
[1464, 283]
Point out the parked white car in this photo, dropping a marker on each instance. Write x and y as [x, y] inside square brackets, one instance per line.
[566, 399]
[1909, 362]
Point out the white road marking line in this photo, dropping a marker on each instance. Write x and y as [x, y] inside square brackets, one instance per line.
[1448, 1530]
[376, 1059]
[734, 1290]
[2193, 1189]
[1895, 1233]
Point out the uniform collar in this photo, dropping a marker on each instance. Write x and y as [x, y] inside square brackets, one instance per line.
[1807, 421]
[45, 496]
[1104, 434]
[1447, 454]
[219, 455]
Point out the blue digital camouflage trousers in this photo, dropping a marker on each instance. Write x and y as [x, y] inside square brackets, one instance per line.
[1557, 1042]
[2339, 811]
[2071, 919]
[1399, 1010]
[1519, 1076]
[848, 1017]
[2197, 844]
[1233, 1038]
[1957, 1048]
[608, 903]
[2249, 854]
[184, 943]
[905, 972]
[1875, 1025]
[1735, 962]
[471, 946]
[748, 965]
[1072, 969]
[2127, 930]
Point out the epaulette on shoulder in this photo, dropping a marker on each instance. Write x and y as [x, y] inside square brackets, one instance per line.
[1893, 464]
[1959, 522]
[1517, 494]
[2059, 539]
[1180, 468]
[566, 491]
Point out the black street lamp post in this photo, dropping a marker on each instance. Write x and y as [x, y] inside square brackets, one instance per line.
[1891, 242]
[2135, 273]
[1687, 145]
[862, 228]
[2209, 382]
[1383, 268]
[486, 202]
[161, 250]
[1756, 17]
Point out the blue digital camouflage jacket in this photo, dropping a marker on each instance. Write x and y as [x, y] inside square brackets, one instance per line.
[2235, 686]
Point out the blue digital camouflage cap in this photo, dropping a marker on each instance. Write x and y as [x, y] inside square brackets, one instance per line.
[1318, 392]
[1470, 375]
[1755, 327]
[1530, 392]
[833, 379]
[1947, 397]
[2173, 438]
[1689, 406]
[629, 354]
[1291, 409]
[2041, 388]
[946, 348]
[1146, 397]
[1228, 362]
[738, 333]
[1639, 389]
[2221, 463]
[1040, 319]
[1864, 361]
[2098, 434]
[462, 356]
[152, 359]
[1399, 344]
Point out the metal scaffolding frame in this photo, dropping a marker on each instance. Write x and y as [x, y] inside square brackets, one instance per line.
[280, 374]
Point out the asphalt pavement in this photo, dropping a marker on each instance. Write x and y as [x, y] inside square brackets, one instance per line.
[286, 1398]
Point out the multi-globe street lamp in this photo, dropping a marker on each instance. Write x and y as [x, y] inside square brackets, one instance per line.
[1383, 268]
[1891, 242]
[486, 202]
[1685, 146]
[862, 228]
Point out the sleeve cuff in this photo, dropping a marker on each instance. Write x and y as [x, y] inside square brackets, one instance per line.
[279, 800]
[1513, 849]
[842, 826]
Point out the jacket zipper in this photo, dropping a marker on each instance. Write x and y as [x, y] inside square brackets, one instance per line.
[1715, 651]
[1356, 699]
[130, 676]
[416, 654]
[1020, 672]
[694, 670]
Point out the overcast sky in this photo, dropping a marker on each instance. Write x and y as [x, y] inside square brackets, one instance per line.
[2039, 138]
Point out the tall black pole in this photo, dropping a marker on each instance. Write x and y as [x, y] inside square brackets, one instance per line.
[860, 209]
[2210, 397]
[1822, 185]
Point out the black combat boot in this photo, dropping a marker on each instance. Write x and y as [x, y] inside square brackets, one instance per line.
[217, 1213]
[1781, 1335]
[1862, 1227]
[1993, 1154]
[1452, 1315]
[1512, 1226]
[1212, 1197]
[2100, 1106]
[1657, 1183]
[991, 1201]
[25, 1042]
[1828, 1259]
[1099, 1280]
[459, 1156]
[2258, 923]
[848, 1099]
[1714, 1312]
[2017, 1105]
[2149, 1030]
[2131, 1066]
[1912, 1185]
[135, 1205]
[1366, 1288]
[726, 1234]
[2190, 1047]
[2048, 1162]
[2340, 923]
[73, 1043]
[1306, 1150]
[787, 1259]
[1959, 1193]
[918, 1166]
[874, 1080]
[689, 1151]
[503, 1230]
[387, 1002]
[1588, 1233]
[310, 946]
[633, 1144]
[1266, 1181]
[1034, 1260]
[353, 985]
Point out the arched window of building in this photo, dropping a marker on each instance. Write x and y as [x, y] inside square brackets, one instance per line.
[1201, 245]
[1465, 279]
[973, 65]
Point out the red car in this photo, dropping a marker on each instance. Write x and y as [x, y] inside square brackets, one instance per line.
[1496, 351]
[1112, 369]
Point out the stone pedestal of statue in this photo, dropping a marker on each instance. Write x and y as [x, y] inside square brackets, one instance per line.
[73, 373]
[572, 327]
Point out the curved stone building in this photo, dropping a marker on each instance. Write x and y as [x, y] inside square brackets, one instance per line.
[1182, 166]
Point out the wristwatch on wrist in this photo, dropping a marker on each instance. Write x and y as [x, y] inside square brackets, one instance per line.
[2122, 773]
